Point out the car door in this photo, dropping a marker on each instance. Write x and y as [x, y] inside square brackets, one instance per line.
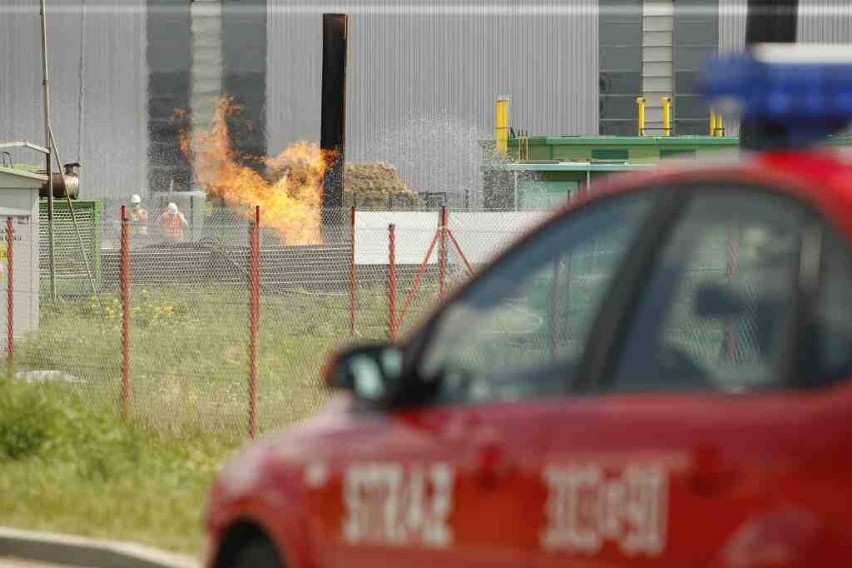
[690, 422]
[453, 476]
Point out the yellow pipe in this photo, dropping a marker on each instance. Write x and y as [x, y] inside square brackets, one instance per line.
[718, 128]
[501, 129]
[715, 123]
[667, 116]
[640, 103]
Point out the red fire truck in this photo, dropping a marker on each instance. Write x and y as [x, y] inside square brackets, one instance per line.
[660, 374]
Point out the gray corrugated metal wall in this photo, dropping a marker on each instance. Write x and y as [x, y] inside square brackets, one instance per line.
[422, 80]
[828, 21]
[109, 138]
[732, 22]
[825, 21]
[732, 25]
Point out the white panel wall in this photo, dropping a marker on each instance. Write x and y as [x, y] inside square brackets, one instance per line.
[480, 235]
[19, 201]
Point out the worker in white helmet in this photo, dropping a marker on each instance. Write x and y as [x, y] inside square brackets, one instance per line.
[138, 216]
[173, 223]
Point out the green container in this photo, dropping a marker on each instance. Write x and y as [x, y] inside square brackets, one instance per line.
[71, 276]
[554, 161]
[634, 149]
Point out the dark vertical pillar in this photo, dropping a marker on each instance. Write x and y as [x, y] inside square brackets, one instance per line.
[244, 68]
[333, 119]
[169, 54]
[768, 21]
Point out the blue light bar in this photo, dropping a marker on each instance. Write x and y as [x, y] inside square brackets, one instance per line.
[803, 90]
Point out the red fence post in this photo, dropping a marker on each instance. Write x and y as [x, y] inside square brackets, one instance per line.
[125, 312]
[10, 297]
[254, 317]
[392, 321]
[352, 279]
[442, 253]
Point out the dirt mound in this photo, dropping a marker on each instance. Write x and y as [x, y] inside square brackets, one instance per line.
[376, 184]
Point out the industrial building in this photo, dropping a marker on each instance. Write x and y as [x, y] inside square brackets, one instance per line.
[421, 83]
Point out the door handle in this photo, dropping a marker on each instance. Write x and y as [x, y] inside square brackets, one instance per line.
[493, 464]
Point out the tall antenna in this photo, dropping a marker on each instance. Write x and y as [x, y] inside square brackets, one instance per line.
[48, 144]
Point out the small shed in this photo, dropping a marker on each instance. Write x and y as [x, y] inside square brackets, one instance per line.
[19, 202]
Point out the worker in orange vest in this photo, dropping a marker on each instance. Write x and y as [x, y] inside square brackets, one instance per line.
[173, 223]
[138, 216]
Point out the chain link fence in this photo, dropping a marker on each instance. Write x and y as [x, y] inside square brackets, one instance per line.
[189, 295]
[188, 307]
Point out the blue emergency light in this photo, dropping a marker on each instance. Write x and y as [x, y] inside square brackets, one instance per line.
[802, 93]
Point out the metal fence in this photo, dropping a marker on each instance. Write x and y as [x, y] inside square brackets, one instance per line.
[224, 329]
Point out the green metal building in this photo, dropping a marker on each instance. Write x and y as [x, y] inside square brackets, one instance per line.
[542, 172]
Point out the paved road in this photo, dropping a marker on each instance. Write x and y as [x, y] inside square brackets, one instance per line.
[12, 563]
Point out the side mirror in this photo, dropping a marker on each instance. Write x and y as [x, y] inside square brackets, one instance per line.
[715, 301]
[371, 372]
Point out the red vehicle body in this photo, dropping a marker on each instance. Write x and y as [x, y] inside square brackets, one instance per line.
[597, 465]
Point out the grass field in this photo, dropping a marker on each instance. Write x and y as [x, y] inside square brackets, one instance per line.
[69, 463]
[65, 466]
[189, 348]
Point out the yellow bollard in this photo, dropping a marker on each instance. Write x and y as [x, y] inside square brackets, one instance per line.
[501, 128]
[667, 116]
[640, 103]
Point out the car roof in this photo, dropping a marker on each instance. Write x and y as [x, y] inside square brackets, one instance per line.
[823, 179]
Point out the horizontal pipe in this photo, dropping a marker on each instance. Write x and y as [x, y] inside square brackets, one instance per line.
[24, 144]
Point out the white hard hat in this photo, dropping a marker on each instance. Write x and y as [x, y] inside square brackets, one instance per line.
[135, 198]
[172, 208]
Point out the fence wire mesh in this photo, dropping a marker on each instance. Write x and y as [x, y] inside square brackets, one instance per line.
[189, 307]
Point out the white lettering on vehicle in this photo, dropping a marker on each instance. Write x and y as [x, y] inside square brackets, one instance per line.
[316, 474]
[387, 503]
[587, 508]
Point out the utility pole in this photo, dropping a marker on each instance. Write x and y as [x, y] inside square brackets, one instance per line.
[49, 145]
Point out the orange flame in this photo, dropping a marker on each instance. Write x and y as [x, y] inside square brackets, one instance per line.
[292, 205]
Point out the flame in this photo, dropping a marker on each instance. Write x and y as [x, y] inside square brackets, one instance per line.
[291, 205]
